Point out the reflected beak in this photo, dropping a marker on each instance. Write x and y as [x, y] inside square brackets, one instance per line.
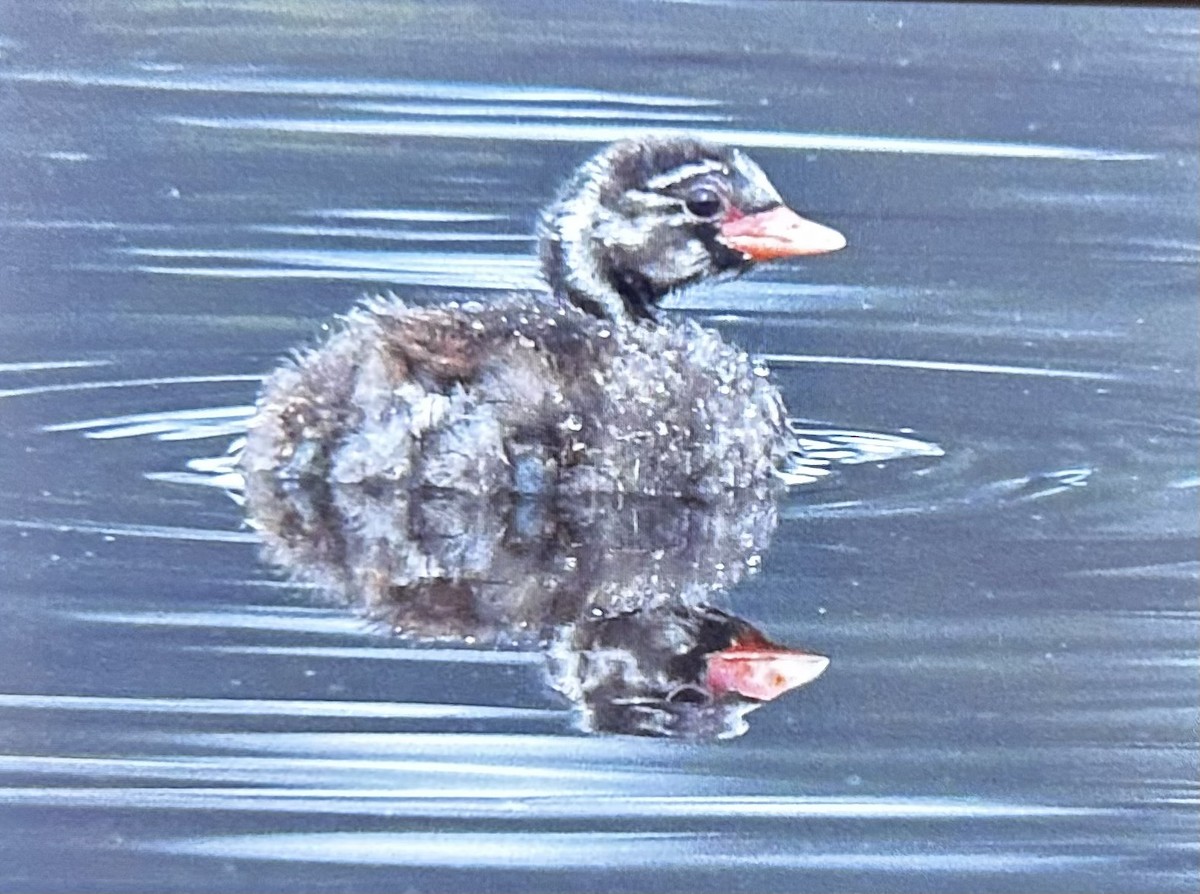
[762, 672]
[779, 233]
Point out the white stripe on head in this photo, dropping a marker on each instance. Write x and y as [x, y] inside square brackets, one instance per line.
[652, 200]
[686, 172]
[754, 174]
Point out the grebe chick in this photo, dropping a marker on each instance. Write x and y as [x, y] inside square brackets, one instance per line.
[573, 390]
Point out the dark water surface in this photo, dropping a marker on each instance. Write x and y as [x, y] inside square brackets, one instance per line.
[997, 549]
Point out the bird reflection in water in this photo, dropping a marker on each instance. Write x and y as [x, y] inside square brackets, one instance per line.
[622, 596]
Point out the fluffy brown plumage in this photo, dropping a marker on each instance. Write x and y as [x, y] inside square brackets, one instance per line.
[577, 390]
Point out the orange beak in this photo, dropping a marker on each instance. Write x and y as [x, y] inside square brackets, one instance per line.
[779, 233]
[762, 671]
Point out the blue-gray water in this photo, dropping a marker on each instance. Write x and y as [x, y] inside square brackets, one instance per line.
[191, 189]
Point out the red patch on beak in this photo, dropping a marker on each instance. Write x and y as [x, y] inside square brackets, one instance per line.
[779, 233]
[762, 671]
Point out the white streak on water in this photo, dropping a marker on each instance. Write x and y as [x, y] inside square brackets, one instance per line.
[576, 850]
[416, 215]
[498, 747]
[1185, 570]
[51, 364]
[329, 623]
[455, 656]
[589, 850]
[425, 261]
[132, 431]
[855, 447]
[274, 707]
[386, 234]
[450, 269]
[152, 532]
[936, 366]
[602, 133]
[216, 82]
[95, 225]
[597, 760]
[124, 423]
[127, 383]
[359, 777]
[527, 111]
[448, 278]
[231, 482]
[238, 427]
[507, 804]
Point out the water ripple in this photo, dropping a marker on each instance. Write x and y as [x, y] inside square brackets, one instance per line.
[936, 366]
[386, 234]
[170, 425]
[222, 82]
[37, 366]
[817, 450]
[856, 447]
[127, 383]
[152, 532]
[413, 215]
[511, 804]
[273, 618]
[258, 707]
[375, 653]
[450, 270]
[587, 850]
[525, 111]
[448, 128]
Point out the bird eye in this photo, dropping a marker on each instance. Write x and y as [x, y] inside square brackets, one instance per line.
[704, 202]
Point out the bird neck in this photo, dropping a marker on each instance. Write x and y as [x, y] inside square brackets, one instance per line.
[578, 274]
